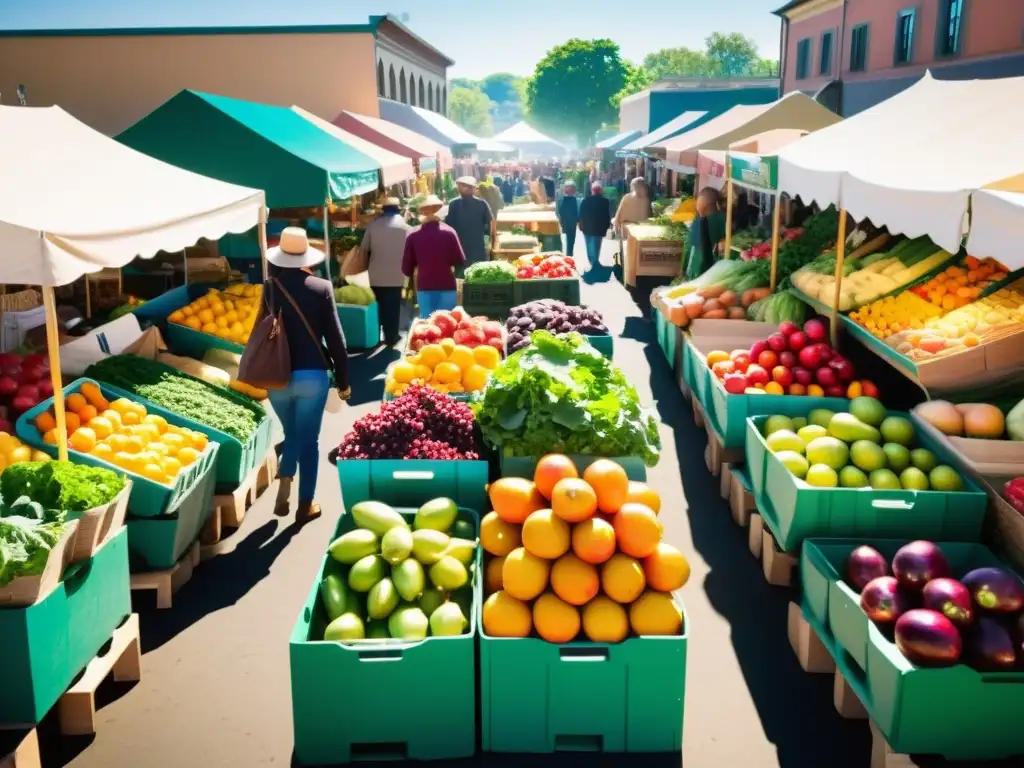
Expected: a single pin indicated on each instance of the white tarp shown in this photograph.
(73, 201)
(531, 141)
(663, 132)
(997, 227)
(459, 135)
(911, 162)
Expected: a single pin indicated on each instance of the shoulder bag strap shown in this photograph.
(305, 322)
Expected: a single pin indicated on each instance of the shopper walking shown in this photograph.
(569, 216)
(472, 221)
(432, 253)
(384, 246)
(308, 313)
(707, 231)
(595, 219)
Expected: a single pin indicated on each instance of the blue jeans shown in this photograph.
(300, 408)
(433, 301)
(593, 248)
(570, 239)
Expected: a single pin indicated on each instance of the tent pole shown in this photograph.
(53, 352)
(840, 257)
(262, 231)
(184, 264)
(355, 212)
(327, 241)
(3, 301)
(728, 208)
(776, 214)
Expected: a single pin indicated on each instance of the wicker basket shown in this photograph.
(22, 301)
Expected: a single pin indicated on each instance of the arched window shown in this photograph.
(391, 83)
(423, 99)
(405, 95)
(412, 89)
(444, 100)
(430, 96)
(380, 77)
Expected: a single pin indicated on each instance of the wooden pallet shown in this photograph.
(810, 651)
(25, 755)
(230, 508)
(76, 709)
(169, 581)
(741, 501)
(849, 706)
(716, 456)
(698, 413)
(725, 482)
(779, 567)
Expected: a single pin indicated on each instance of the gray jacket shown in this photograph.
(384, 246)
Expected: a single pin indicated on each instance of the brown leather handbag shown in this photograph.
(267, 361)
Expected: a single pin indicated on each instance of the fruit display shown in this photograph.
(355, 295)
(863, 448)
(959, 285)
(545, 266)
(904, 311)
(513, 241)
(980, 421)
(13, 451)
(937, 620)
(130, 304)
(870, 277)
(458, 326)
(794, 361)
(578, 557)
(490, 273)
(229, 314)
(561, 394)
(554, 316)
(24, 383)
(761, 248)
(189, 397)
(447, 367)
(1013, 492)
(61, 485)
(124, 435)
(388, 580)
(420, 424)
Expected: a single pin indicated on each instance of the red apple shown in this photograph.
(826, 377)
(722, 367)
(8, 386)
(6, 426)
(797, 340)
(782, 375)
(741, 362)
(815, 329)
(9, 358)
(826, 352)
(787, 359)
(756, 374)
(869, 389)
(767, 359)
(836, 391)
(45, 387)
(842, 367)
(777, 342)
(736, 383)
(810, 357)
(788, 329)
(757, 348)
(30, 391)
(738, 352)
(802, 375)
(21, 404)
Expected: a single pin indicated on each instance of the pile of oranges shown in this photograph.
(122, 433)
(571, 556)
(447, 367)
(229, 314)
(13, 451)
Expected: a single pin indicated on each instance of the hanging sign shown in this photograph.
(755, 171)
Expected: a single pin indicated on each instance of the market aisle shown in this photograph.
(215, 688)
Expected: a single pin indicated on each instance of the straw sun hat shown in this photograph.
(432, 204)
(468, 181)
(294, 252)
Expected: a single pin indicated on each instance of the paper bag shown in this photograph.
(148, 345)
(354, 262)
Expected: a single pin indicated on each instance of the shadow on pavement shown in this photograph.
(557, 760)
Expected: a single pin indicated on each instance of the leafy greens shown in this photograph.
(61, 484)
(561, 395)
(26, 542)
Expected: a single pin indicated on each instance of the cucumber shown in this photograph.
(333, 591)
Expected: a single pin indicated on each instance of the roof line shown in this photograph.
(305, 29)
(781, 11)
(375, 22)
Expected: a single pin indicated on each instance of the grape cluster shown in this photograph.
(551, 315)
(421, 424)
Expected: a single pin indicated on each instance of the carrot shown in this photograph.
(715, 314)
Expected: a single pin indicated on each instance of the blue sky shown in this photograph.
(483, 36)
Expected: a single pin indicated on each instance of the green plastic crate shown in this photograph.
(493, 300)
(564, 289)
(605, 344)
(537, 697)
(956, 712)
(426, 709)
(148, 498)
(524, 466)
(794, 510)
(235, 459)
(46, 645)
(696, 373)
(361, 325)
(408, 482)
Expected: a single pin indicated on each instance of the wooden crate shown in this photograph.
(168, 581)
(25, 754)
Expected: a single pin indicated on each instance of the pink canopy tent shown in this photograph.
(394, 138)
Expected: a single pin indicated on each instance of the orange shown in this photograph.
(188, 455)
(514, 499)
(130, 418)
(497, 536)
(655, 613)
(75, 402)
(176, 316)
(504, 616)
(158, 421)
(574, 581)
(593, 540)
(666, 568)
(87, 413)
(171, 466)
(462, 356)
(550, 469)
(555, 620)
(40, 456)
(45, 422)
(637, 529)
(121, 405)
(492, 574)
(71, 421)
(103, 451)
(19, 454)
(102, 427)
(94, 396)
(524, 575)
(604, 621)
(474, 378)
(717, 356)
(609, 482)
(573, 500)
(199, 441)
(622, 578)
(642, 493)
(114, 417)
(174, 442)
(50, 437)
(83, 439)
(487, 356)
(546, 535)
(153, 471)
(134, 444)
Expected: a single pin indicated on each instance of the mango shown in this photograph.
(448, 573)
(432, 599)
(365, 573)
(378, 630)
(448, 621)
(348, 626)
(462, 550)
(382, 599)
(850, 429)
(333, 592)
(437, 515)
(409, 579)
(354, 545)
(429, 546)
(377, 517)
(462, 529)
(408, 623)
(396, 545)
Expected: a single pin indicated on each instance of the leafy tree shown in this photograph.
(465, 82)
(732, 55)
(470, 109)
(573, 86)
(637, 79)
(501, 87)
(678, 62)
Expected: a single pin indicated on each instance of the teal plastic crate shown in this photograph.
(46, 645)
(696, 373)
(524, 466)
(235, 459)
(956, 712)
(493, 300)
(409, 482)
(794, 510)
(148, 498)
(605, 344)
(361, 325)
(564, 289)
(427, 706)
(537, 697)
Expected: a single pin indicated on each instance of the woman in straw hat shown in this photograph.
(310, 318)
(432, 252)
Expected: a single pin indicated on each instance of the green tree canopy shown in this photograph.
(732, 55)
(471, 109)
(503, 87)
(573, 87)
(637, 79)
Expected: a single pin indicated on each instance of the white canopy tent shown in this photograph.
(997, 223)
(530, 141)
(912, 162)
(73, 202)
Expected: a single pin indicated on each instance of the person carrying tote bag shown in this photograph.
(301, 308)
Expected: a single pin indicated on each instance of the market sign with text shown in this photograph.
(755, 171)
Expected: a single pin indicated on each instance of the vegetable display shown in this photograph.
(25, 542)
(545, 266)
(818, 232)
(511, 241)
(61, 485)
(182, 394)
(762, 248)
(229, 314)
(572, 557)
(554, 316)
(458, 326)
(421, 424)
(124, 309)
(357, 295)
(490, 273)
(560, 394)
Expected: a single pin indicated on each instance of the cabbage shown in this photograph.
(354, 294)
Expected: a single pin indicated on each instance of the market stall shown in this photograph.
(426, 153)
(438, 128)
(530, 142)
(687, 121)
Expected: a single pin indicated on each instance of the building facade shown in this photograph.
(110, 78)
(856, 53)
(648, 110)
